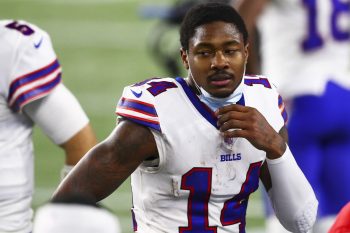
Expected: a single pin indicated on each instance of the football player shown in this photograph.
(196, 147)
(31, 92)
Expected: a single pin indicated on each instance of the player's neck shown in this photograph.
(194, 87)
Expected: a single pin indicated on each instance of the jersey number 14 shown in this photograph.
(198, 181)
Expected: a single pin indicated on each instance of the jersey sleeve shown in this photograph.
(35, 70)
(59, 115)
(264, 96)
(278, 108)
(138, 105)
(282, 109)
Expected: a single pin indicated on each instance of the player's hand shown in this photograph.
(240, 121)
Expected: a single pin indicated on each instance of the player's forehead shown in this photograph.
(218, 32)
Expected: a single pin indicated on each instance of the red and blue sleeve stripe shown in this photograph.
(138, 106)
(34, 85)
(139, 112)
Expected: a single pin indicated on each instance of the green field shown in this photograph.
(102, 46)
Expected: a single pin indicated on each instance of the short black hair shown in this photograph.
(207, 13)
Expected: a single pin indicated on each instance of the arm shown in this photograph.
(62, 119)
(48, 103)
(105, 167)
(292, 196)
(78, 145)
(264, 172)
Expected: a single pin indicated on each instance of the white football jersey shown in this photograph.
(305, 44)
(29, 70)
(200, 183)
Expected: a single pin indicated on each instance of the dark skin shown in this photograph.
(216, 60)
(105, 167)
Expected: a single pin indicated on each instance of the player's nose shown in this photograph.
(219, 61)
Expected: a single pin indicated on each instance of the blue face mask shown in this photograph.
(214, 102)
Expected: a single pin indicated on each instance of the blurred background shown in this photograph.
(102, 45)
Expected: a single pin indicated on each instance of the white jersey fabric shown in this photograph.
(290, 50)
(29, 71)
(74, 218)
(198, 183)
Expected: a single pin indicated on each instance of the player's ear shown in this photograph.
(184, 58)
(246, 51)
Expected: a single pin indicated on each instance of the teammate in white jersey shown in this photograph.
(196, 147)
(76, 214)
(31, 92)
(305, 51)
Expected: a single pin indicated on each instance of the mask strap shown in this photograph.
(191, 76)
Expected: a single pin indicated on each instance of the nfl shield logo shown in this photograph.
(229, 142)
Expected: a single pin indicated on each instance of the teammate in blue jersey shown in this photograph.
(31, 92)
(305, 48)
(197, 147)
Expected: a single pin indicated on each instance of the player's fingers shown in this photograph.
(234, 133)
(239, 133)
(232, 115)
(233, 124)
(231, 107)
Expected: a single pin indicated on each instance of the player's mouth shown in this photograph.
(220, 79)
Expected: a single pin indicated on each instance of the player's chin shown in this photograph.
(222, 92)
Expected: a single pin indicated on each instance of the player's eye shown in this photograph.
(231, 51)
(204, 53)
